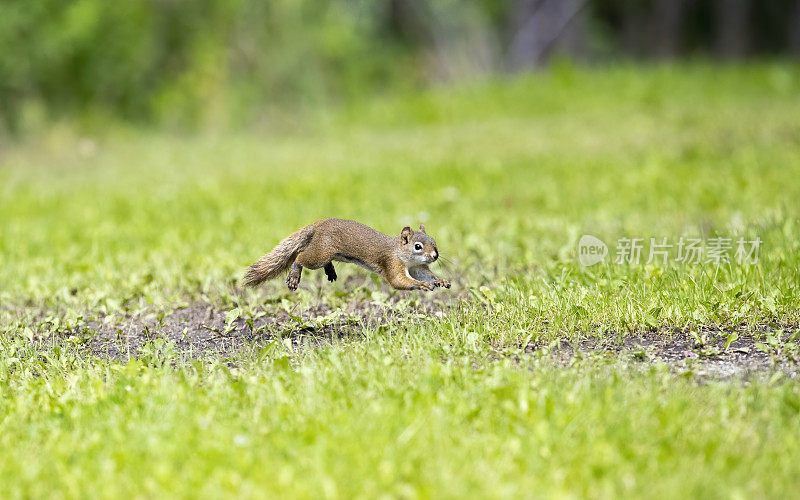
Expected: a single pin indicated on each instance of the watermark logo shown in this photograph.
(713, 251)
(591, 250)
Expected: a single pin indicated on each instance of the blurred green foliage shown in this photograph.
(187, 61)
(220, 63)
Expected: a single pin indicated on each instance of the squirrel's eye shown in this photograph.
(417, 246)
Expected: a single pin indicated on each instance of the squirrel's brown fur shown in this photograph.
(279, 259)
(402, 260)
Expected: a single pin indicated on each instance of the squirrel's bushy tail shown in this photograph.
(279, 259)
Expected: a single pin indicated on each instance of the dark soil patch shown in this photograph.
(713, 352)
(203, 329)
(206, 330)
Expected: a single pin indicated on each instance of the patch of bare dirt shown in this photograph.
(204, 329)
(710, 352)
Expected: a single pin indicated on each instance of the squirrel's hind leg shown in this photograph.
(330, 272)
(294, 276)
(313, 260)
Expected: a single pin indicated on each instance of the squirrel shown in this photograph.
(402, 260)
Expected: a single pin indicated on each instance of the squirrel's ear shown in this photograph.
(406, 234)
(422, 228)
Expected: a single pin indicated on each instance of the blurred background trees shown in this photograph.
(200, 61)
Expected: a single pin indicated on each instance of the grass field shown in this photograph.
(111, 245)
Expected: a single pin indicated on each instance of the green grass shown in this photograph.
(506, 176)
(402, 416)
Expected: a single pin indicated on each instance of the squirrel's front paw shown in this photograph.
(441, 282)
(423, 285)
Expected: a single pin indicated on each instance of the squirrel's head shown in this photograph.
(417, 247)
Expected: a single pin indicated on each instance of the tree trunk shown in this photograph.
(794, 30)
(732, 34)
(667, 27)
(574, 40)
(633, 30)
(536, 26)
